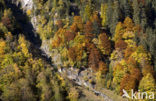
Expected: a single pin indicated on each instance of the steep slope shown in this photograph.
(26, 28)
(91, 44)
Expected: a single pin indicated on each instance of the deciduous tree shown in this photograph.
(147, 84)
(104, 44)
(121, 44)
(94, 58)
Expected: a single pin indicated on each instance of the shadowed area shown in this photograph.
(26, 28)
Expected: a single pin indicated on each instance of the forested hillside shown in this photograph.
(113, 40)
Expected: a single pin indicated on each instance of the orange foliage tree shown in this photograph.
(133, 76)
(136, 73)
(147, 69)
(95, 18)
(69, 36)
(120, 44)
(78, 22)
(127, 83)
(74, 28)
(103, 67)
(88, 27)
(72, 53)
(104, 44)
(94, 58)
(128, 23)
(59, 23)
(128, 52)
(56, 42)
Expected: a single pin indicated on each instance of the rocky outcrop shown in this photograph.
(45, 47)
(83, 77)
(27, 5)
(80, 76)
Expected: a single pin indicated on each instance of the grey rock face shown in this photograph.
(27, 4)
(82, 77)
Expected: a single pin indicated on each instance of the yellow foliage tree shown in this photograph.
(131, 43)
(118, 31)
(2, 47)
(147, 84)
(103, 14)
(103, 67)
(23, 45)
(128, 35)
(3, 30)
(101, 73)
(118, 73)
(29, 12)
(128, 23)
(78, 22)
(141, 56)
(73, 94)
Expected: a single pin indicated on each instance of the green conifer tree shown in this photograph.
(136, 12)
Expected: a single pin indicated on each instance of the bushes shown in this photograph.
(73, 94)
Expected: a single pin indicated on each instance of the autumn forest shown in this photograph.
(69, 50)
